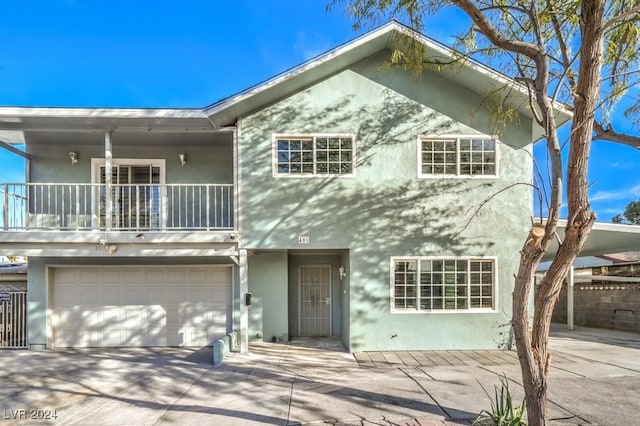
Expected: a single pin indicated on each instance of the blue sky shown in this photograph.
(192, 53)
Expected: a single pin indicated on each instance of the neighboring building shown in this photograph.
(13, 276)
(342, 197)
(606, 293)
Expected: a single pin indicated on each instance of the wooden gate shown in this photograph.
(13, 318)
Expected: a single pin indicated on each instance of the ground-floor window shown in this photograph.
(443, 284)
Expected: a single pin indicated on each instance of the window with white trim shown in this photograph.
(458, 156)
(137, 193)
(436, 284)
(314, 155)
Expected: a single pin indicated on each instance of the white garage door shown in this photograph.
(140, 306)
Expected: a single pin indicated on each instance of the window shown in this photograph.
(458, 156)
(314, 155)
(433, 284)
(136, 193)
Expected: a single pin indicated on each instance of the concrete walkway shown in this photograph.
(595, 379)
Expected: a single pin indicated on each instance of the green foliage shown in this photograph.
(503, 410)
(631, 215)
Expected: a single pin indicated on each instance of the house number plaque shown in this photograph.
(303, 239)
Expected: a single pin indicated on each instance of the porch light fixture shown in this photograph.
(109, 248)
(74, 157)
(342, 272)
(183, 159)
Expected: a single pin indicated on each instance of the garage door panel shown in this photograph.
(111, 296)
(86, 276)
(176, 277)
(155, 296)
(133, 277)
(154, 276)
(89, 297)
(198, 277)
(176, 295)
(127, 312)
(111, 277)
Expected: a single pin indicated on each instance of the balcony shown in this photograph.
(121, 207)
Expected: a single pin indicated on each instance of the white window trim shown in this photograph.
(415, 311)
(96, 163)
(457, 137)
(274, 156)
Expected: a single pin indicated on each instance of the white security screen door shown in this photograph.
(315, 300)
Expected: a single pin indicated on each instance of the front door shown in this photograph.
(315, 300)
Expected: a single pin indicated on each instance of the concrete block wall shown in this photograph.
(612, 306)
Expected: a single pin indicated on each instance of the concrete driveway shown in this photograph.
(595, 379)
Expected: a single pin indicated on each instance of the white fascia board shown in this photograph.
(52, 250)
(101, 119)
(608, 227)
(13, 114)
(126, 238)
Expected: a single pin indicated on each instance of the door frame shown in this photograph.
(98, 163)
(317, 265)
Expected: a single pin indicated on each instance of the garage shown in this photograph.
(139, 306)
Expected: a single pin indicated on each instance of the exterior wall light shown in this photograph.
(74, 157)
(104, 245)
(183, 159)
(342, 272)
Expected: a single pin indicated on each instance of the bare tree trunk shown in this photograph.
(533, 351)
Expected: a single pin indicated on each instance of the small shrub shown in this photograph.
(503, 410)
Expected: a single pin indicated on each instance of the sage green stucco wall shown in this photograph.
(268, 285)
(385, 210)
(205, 163)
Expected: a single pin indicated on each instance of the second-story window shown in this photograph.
(458, 156)
(314, 155)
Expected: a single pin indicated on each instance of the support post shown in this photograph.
(107, 181)
(244, 309)
(570, 281)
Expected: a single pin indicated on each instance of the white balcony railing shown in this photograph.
(76, 206)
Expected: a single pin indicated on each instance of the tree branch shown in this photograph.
(609, 134)
(489, 31)
(621, 17)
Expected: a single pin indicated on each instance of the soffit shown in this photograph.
(604, 238)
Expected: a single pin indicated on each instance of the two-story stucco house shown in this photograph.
(341, 197)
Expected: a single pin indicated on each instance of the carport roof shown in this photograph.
(604, 238)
